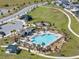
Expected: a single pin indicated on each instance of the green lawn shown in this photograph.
(75, 26)
(54, 16)
(22, 55)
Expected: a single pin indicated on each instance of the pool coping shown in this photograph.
(48, 32)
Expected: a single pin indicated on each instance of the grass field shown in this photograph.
(54, 16)
(75, 23)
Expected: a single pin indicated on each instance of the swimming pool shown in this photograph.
(45, 39)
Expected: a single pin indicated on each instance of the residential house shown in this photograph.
(63, 3)
(26, 17)
(13, 49)
(2, 34)
(26, 32)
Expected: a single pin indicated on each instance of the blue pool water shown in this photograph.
(45, 39)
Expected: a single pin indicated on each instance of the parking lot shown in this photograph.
(9, 26)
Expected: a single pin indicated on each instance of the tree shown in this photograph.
(6, 5)
(2, 13)
(41, 0)
(13, 31)
(24, 3)
(18, 7)
(53, 24)
(14, 34)
(9, 11)
(29, 2)
(34, 1)
(14, 8)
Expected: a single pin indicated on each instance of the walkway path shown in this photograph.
(69, 18)
(46, 56)
(50, 57)
(69, 24)
(72, 14)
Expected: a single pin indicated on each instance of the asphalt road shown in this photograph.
(21, 12)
